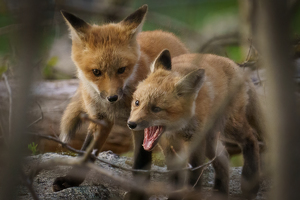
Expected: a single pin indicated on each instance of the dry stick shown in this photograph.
(40, 118)
(25, 179)
(249, 51)
(178, 156)
(86, 117)
(218, 38)
(96, 137)
(208, 163)
(10, 102)
(3, 135)
(153, 17)
(65, 145)
(124, 183)
(28, 184)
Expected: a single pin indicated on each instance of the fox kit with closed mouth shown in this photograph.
(173, 105)
(111, 60)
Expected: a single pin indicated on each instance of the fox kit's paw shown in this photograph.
(64, 182)
(250, 188)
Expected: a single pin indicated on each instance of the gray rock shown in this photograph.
(100, 187)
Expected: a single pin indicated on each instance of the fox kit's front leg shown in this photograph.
(142, 160)
(174, 162)
(215, 150)
(77, 174)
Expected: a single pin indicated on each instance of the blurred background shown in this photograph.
(223, 27)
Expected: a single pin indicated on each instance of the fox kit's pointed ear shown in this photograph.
(134, 22)
(77, 26)
(191, 83)
(163, 61)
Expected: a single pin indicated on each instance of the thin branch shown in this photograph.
(127, 184)
(65, 145)
(10, 102)
(40, 118)
(249, 51)
(28, 184)
(3, 135)
(221, 38)
(188, 164)
(208, 163)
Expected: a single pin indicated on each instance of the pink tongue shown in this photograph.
(150, 136)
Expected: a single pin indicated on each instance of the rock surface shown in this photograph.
(96, 187)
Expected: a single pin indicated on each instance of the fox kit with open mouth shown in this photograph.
(174, 105)
(111, 60)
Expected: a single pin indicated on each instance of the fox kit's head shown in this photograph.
(106, 56)
(164, 101)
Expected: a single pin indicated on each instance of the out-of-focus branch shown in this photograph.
(65, 145)
(232, 38)
(40, 118)
(136, 184)
(10, 102)
(27, 42)
(100, 8)
(282, 118)
(28, 184)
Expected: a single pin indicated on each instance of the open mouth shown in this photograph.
(151, 135)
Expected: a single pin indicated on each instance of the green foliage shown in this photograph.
(234, 53)
(3, 69)
(33, 148)
(69, 153)
(48, 71)
(158, 159)
(237, 160)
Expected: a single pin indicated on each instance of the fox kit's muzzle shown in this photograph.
(112, 98)
(131, 125)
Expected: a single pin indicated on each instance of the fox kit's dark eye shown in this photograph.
(137, 103)
(121, 70)
(97, 72)
(156, 109)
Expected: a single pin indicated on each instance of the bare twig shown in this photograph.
(204, 166)
(228, 37)
(127, 184)
(3, 135)
(28, 184)
(172, 148)
(10, 102)
(40, 118)
(97, 134)
(249, 51)
(65, 145)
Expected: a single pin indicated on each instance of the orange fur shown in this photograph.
(182, 97)
(108, 48)
(111, 60)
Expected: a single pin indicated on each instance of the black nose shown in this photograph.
(131, 125)
(112, 98)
